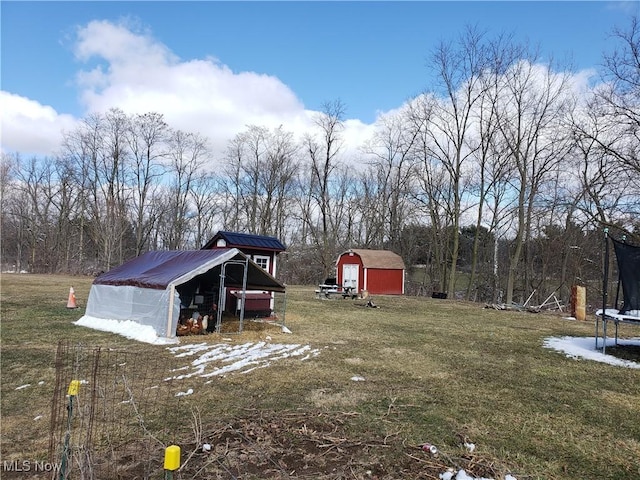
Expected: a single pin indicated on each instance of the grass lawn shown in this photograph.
(433, 371)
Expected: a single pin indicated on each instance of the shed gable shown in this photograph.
(381, 259)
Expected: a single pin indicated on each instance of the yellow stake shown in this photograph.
(74, 387)
(172, 457)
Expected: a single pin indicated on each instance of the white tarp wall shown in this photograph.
(145, 306)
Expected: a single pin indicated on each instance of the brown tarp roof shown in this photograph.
(382, 259)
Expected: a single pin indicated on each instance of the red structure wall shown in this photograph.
(385, 282)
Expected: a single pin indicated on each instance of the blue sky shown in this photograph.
(371, 55)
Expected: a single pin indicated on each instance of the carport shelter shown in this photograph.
(151, 289)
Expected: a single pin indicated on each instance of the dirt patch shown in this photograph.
(313, 445)
(273, 445)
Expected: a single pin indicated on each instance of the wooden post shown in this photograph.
(578, 302)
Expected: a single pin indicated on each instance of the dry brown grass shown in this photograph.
(434, 371)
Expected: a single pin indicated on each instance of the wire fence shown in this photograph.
(109, 413)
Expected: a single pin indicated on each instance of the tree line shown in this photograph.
(506, 169)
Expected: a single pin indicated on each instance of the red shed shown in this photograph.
(376, 271)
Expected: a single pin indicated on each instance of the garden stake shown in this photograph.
(72, 392)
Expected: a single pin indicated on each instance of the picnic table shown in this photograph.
(328, 291)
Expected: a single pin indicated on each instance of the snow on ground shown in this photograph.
(133, 330)
(220, 359)
(585, 347)
(126, 328)
(247, 357)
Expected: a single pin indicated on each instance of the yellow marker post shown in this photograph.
(72, 392)
(171, 461)
(74, 387)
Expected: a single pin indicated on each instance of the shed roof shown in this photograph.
(236, 239)
(383, 259)
(159, 269)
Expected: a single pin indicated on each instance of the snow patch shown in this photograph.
(126, 328)
(220, 359)
(585, 347)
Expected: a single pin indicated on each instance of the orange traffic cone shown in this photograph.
(71, 303)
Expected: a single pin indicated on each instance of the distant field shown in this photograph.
(381, 383)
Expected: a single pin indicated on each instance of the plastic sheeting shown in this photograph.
(145, 306)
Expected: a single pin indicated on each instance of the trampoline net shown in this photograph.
(628, 257)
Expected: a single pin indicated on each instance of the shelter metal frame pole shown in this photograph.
(605, 293)
(284, 308)
(221, 290)
(244, 292)
(615, 305)
(172, 292)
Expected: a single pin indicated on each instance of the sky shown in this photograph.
(215, 67)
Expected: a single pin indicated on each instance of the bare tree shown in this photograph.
(490, 168)
(318, 211)
(612, 126)
(432, 193)
(607, 192)
(234, 216)
(531, 107)
(147, 137)
(204, 195)
(35, 212)
(621, 96)
(11, 244)
(188, 153)
(279, 180)
(459, 69)
(115, 170)
(490, 165)
(81, 147)
(65, 195)
(97, 148)
(260, 172)
(387, 207)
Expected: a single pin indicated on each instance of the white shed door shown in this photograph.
(350, 275)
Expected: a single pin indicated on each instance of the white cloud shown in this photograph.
(138, 74)
(198, 95)
(29, 127)
(126, 68)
